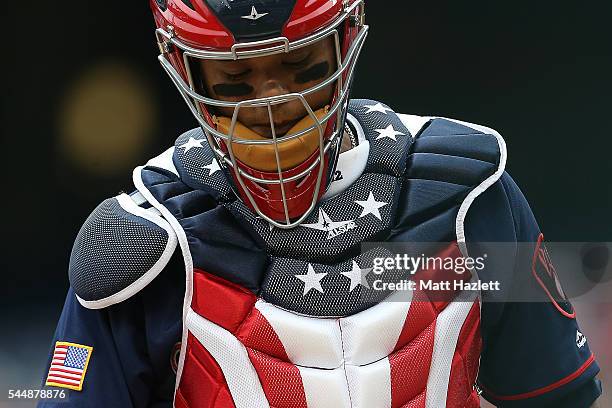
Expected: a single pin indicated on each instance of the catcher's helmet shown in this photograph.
(280, 177)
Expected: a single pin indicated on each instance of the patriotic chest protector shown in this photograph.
(289, 318)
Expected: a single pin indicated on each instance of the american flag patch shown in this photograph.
(68, 365)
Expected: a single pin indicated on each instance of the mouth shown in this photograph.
(280, 128)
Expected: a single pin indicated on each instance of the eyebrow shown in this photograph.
(240, 89)
(317, 71)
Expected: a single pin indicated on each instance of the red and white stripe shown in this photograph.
(59, 373)
(394, 353)
(398, 353)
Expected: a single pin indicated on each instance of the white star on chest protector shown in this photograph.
(312, 280)
(379, 107)
(213, 167)
(389, 132)
(358, 276)
(191, 143)
(371, 206)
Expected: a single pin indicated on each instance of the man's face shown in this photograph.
(273, 75)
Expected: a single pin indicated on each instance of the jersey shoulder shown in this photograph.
(121, 247)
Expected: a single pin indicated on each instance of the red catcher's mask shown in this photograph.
(280, 177)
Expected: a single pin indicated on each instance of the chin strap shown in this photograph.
(350, 136)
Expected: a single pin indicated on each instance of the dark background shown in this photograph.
(85, 74)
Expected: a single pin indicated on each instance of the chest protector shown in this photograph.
(290, 318)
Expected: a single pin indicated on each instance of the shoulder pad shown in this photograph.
(119, 250)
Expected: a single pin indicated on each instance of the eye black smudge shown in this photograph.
(317, 71)
(241, 89)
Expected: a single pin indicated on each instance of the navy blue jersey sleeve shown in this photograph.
(118, 373)
(134, 345)
(534, 354)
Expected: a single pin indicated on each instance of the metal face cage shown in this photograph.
(329, 131)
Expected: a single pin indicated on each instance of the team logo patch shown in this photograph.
(69, 365)
(544, 272)
(580, 339)
(332, 228)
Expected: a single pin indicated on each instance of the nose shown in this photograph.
(272, 87)
(285, 111)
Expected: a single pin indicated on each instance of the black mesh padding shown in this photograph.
(192, 165)
(283, 288)
(324, 246)
(112, 250)
(386, 154)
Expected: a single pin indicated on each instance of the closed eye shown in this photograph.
(300, 63)
(237, 76)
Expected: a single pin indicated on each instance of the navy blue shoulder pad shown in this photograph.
(120, 249)
(444, 165)
(449, 165)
